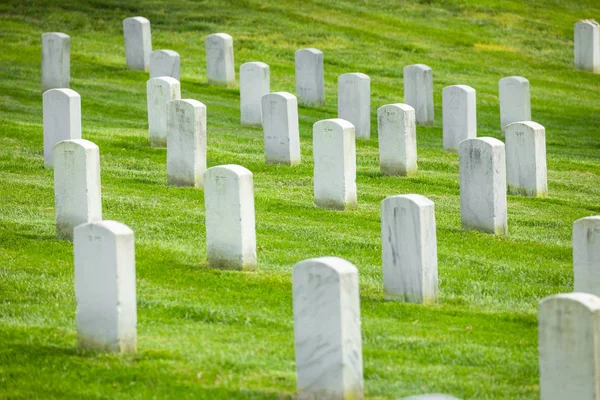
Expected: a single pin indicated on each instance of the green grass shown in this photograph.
(211, 334)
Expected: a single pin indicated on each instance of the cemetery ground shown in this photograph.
(205, 333)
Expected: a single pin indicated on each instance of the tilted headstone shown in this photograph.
(354, 102)
(515, 103)
(482, 166)
(334, 152)
(165, 63)
(409, 249)
(186, 142)
(105, 287)
(587, 46)
(230, 225)
(255, 82)
(328, 341)
(397, 139)
(569, 346)
(418, 92)
(310, 84)
(280, 124)
(459, 115)
(526, 159)
(159, 91)
(138, 43)
(586, 255)
(77, 194)
(56, 60)
(62, 119)
(220, 68)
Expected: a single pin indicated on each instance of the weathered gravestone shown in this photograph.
(56, 60)
(77, 193)
(482, 166)
(105, 287)
(354, 102)
(409, 249)
(334, 152)
(280, 124)
(62, 119)
(587, 46)
(526, 159)
(397, 139)
(255, 82)
(515, 103)
(586, 255)
(220, 68)
(165, 63)
(310, 84)
(459, 115)
(186, 142)
(327, 329)
(418, 92)
(159, 91)
(138, 43)
(230, 224)
(569, 346)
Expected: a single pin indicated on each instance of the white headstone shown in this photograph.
(281, 133)
(310, 84)
(255, 82)
(397, 139)
(105, 287)
(165, 63)
(409, 249)
(62, 119)
(569, 346)
(77, 193)
(334, 152)
(220, 68)
(459, 115)
(526, 159)
(482, 166)
(586, 255)
(138, 43)
(56, 60)
(587, 45)
(418, 92)
(230, 226)
(159, 91)
(515, 104)
(354, 102)
(327, 329)
(186, 142)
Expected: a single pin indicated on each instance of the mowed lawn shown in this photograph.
(205, 333)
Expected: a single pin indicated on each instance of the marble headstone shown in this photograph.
(220, 68)
(397, 139)
(255, 82)
(586, 255)
(280, 124)
(587, 46)
(310, 84)
(165, 63)
(159, 91)
(138, 43)
(459, 115)
(62, 119)
(418, 92)
(526, 159)
(56, 60)
(354, 102)
(515, 103)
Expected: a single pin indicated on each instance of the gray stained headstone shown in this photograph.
(310, 84)
(587, 46)
(165, 63)
(281, 132)
(515, 102)
(397, 139)
(586, 255)
(138, 43)
(255, 82)
(418, 92)
(354, 102)
(56, 60)
(62, 119)
(459, 115)
(526, 159)
(220, 68)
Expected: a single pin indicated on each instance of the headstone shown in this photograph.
(354, 102)
(515, 104)
(255, 82)
(586, 255)
(334, 152)
(310, 84)
(409, 249)
(482, 166)
(327, 329)
(230, 226)
(526, 159)
(280, 124)
(105, 287)
(56, 60)
(459, 112)
(159, 91)
(397, 139)
(569, 336)
(186, 142)
(164, 63)
(220, 68)
(587, 46)
(418, 92)
(433, 396)
(138, 43)
(77, 193)
(62, 119)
